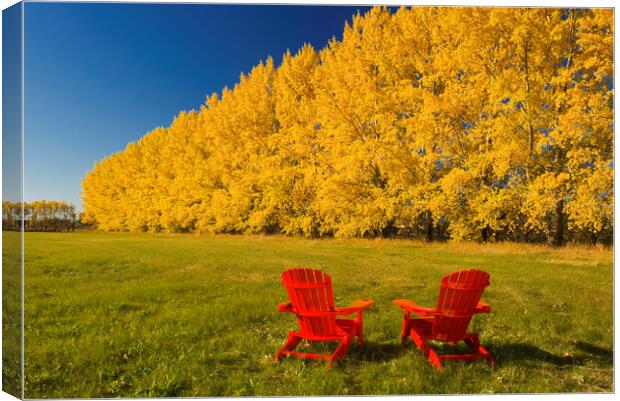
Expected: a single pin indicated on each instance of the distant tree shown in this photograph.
(39, 216)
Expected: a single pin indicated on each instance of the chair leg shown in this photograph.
(490, 359)
(406, 328)
(433, 357)
(426, 350)
(339, 352)
(418, 340)
(290, 345)
(474, 344)
(360, 329)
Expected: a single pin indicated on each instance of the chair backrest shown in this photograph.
(310, 292)
(458, 297)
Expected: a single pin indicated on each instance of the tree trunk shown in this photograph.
(429, 226)
(389, 231)
(560, 223)
(485, 234)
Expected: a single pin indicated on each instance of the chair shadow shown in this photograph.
(604, 355)
(376, 352)
(507, 353)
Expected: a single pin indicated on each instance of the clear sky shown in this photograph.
(98, 76)
(11, 105)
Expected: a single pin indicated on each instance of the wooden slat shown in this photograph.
(314, 292)
(450, 323)
(303, 307)
(311, 293)
(320, 301)
(321, 292)
(463, 294)
(329, 296)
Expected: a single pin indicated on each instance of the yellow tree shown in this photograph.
(238, 124)
(290, 170)
(468, 123)
(357, 108)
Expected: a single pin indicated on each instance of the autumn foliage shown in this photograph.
(461, 123)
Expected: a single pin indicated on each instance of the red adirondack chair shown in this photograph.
(459, 300)
(312, 301)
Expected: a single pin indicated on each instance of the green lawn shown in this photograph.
(11, 313)
(143, 315)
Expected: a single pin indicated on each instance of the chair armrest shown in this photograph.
(286, 307)
(482, 307)
(356, 306)
(410, 306)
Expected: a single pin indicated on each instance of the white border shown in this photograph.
(496, 3)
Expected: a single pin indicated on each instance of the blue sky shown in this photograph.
(11, 105)
(98, 76)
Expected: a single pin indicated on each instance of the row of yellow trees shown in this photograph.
(462, 123)
(39, 216)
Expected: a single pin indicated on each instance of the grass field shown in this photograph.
(155, 315)
(11, 313)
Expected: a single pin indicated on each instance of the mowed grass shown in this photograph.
(115, 314)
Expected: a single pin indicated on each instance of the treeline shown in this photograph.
(39, 216)
(460, 123)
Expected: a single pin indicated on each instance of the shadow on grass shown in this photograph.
(603, 355)
(508, 353)
(376, 352)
